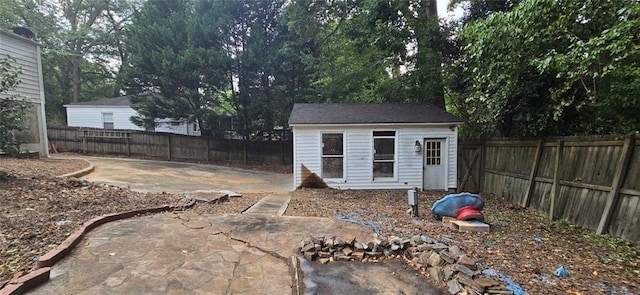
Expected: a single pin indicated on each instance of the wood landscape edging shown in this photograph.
(79, 173)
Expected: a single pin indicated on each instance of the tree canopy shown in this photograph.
(547, 67)
(507, 67)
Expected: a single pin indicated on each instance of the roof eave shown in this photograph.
(377, 124)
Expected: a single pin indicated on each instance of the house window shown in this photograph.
(332, 155)
(384, 154)
(433, 153)
(107, 120)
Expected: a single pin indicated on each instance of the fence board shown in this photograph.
(174, 146)
(587, 169)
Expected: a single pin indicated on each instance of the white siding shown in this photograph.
(27, 57)
(306, 150)
(91, 117)
(359, 154)
(25, 53)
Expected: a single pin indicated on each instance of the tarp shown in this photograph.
(450, 204)
(352, 220)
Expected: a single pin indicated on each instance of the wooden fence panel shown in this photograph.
(469, 167)
(626, 218)
(593, 182)
(148, 145)
(169, 146)
(541, 197)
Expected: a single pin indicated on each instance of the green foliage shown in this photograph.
(372, 51)
(547, 67)
(13, 110)
(82, 49)
(177, 65)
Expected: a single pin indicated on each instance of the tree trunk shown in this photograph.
(76, 78)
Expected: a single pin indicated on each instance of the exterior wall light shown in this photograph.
(417, 147)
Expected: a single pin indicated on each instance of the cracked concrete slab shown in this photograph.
(186, 253)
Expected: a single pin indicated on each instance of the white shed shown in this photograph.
(375, 146)
(26, 54)
(116, 113)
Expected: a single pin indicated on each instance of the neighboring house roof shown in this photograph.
(120, 101)
(369, 113)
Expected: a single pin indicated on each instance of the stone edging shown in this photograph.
(19, 285)
(79, 173)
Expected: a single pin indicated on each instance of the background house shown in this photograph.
(375, 146)
(116, 113)
(26, 53)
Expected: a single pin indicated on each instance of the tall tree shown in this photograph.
(569, 50)
(177, 66)
(371, 50)
(82, 45)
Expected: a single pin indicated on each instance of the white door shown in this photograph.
(435, 168)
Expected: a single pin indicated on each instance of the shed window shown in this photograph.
(332, 155)
(107, 120)
(384, 154)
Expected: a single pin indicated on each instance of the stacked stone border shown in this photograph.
(20, 284)
(447, 265)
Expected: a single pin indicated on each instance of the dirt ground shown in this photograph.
(522, 244)
(38, 212)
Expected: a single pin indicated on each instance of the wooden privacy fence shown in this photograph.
(591, 181)
(169, 146)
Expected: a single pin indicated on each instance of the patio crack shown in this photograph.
(291, 267)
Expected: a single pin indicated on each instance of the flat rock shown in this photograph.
(231, 194)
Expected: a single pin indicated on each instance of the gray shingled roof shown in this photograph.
(365, 113)
(113, 101)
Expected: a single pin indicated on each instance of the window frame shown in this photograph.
(395, 154)
(342, 156)
(104, 122)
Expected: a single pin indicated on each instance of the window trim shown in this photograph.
(344, 157)
(395, 154)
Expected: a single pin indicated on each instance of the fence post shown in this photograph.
(282, 152)
(244, 151)
(207, 142)
(84, 141)
(482, 165)
(128, 145)
(169, 146)
(555, 189)
(618, 179)
(532, 175)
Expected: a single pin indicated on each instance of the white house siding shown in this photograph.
(359, 154)
(91, 117)
(84, 116)
(27, 57)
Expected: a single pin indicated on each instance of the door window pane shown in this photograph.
(433, 153)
